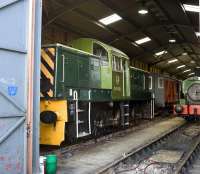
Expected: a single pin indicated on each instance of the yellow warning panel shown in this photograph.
(53, 133)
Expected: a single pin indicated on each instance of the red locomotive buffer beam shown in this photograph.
(187, 110)
(194, 110)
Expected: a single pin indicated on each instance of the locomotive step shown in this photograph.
(81, 121)
(81, 110)
(83, 134)
(126, 105)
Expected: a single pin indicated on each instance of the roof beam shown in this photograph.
(150, 27)
(166, 46)
(70, 28)
(107, 28)
(127, 19)
(67, 8)
(179, 31)
(166, 59)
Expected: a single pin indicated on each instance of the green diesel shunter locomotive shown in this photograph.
(86, 90)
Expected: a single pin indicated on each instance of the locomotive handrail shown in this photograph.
(63, 75)
(75, 95)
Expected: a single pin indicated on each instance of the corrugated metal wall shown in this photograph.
(16, 52)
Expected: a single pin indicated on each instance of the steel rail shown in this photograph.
(138, 150)
(183, 165)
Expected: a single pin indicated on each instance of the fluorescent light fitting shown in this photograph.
(198, 67)
(192, 8)
(143, 40)
(135, 44)
(184, 54)
(160, 53)
(110, 19)
(197, 34)
(187, 70)
(181, 66)
(173, 60)
(143, 11)
(172, 40)
(190, 74)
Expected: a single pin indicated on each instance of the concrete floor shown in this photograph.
(94, 159)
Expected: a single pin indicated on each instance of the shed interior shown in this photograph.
(171, 29)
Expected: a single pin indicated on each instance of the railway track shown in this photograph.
(191, 162)
(70, 149)
(177, 152)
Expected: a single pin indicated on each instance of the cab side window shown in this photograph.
(117, 64)
(101, 52)
(160, 83)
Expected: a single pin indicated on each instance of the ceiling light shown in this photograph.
(198, 67)
(110, 19)
(192, 61)
(172, 40)
(143, 40)
(197, 34)
(173, 60)
(143, 11)
(184, 54)
(160, 53)
(135, 44)
(187, 70)
(190, 74)
(181, 66)
(192, 8)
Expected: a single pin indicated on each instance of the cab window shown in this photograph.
(160, 82)
(117, 64)
(99, 51)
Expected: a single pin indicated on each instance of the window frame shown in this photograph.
(159, 84)
(117, 63)
(144, 81)
(104, 60)
(150, 82)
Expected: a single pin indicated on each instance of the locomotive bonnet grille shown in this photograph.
(47, 72)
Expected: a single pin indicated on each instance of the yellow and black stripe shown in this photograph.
(47, 72)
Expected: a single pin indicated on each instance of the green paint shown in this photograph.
(139, 85)
(117, 89)
(187, 83)
(108, 75)
(78, 71)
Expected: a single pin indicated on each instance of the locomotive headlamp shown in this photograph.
(178, 108)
